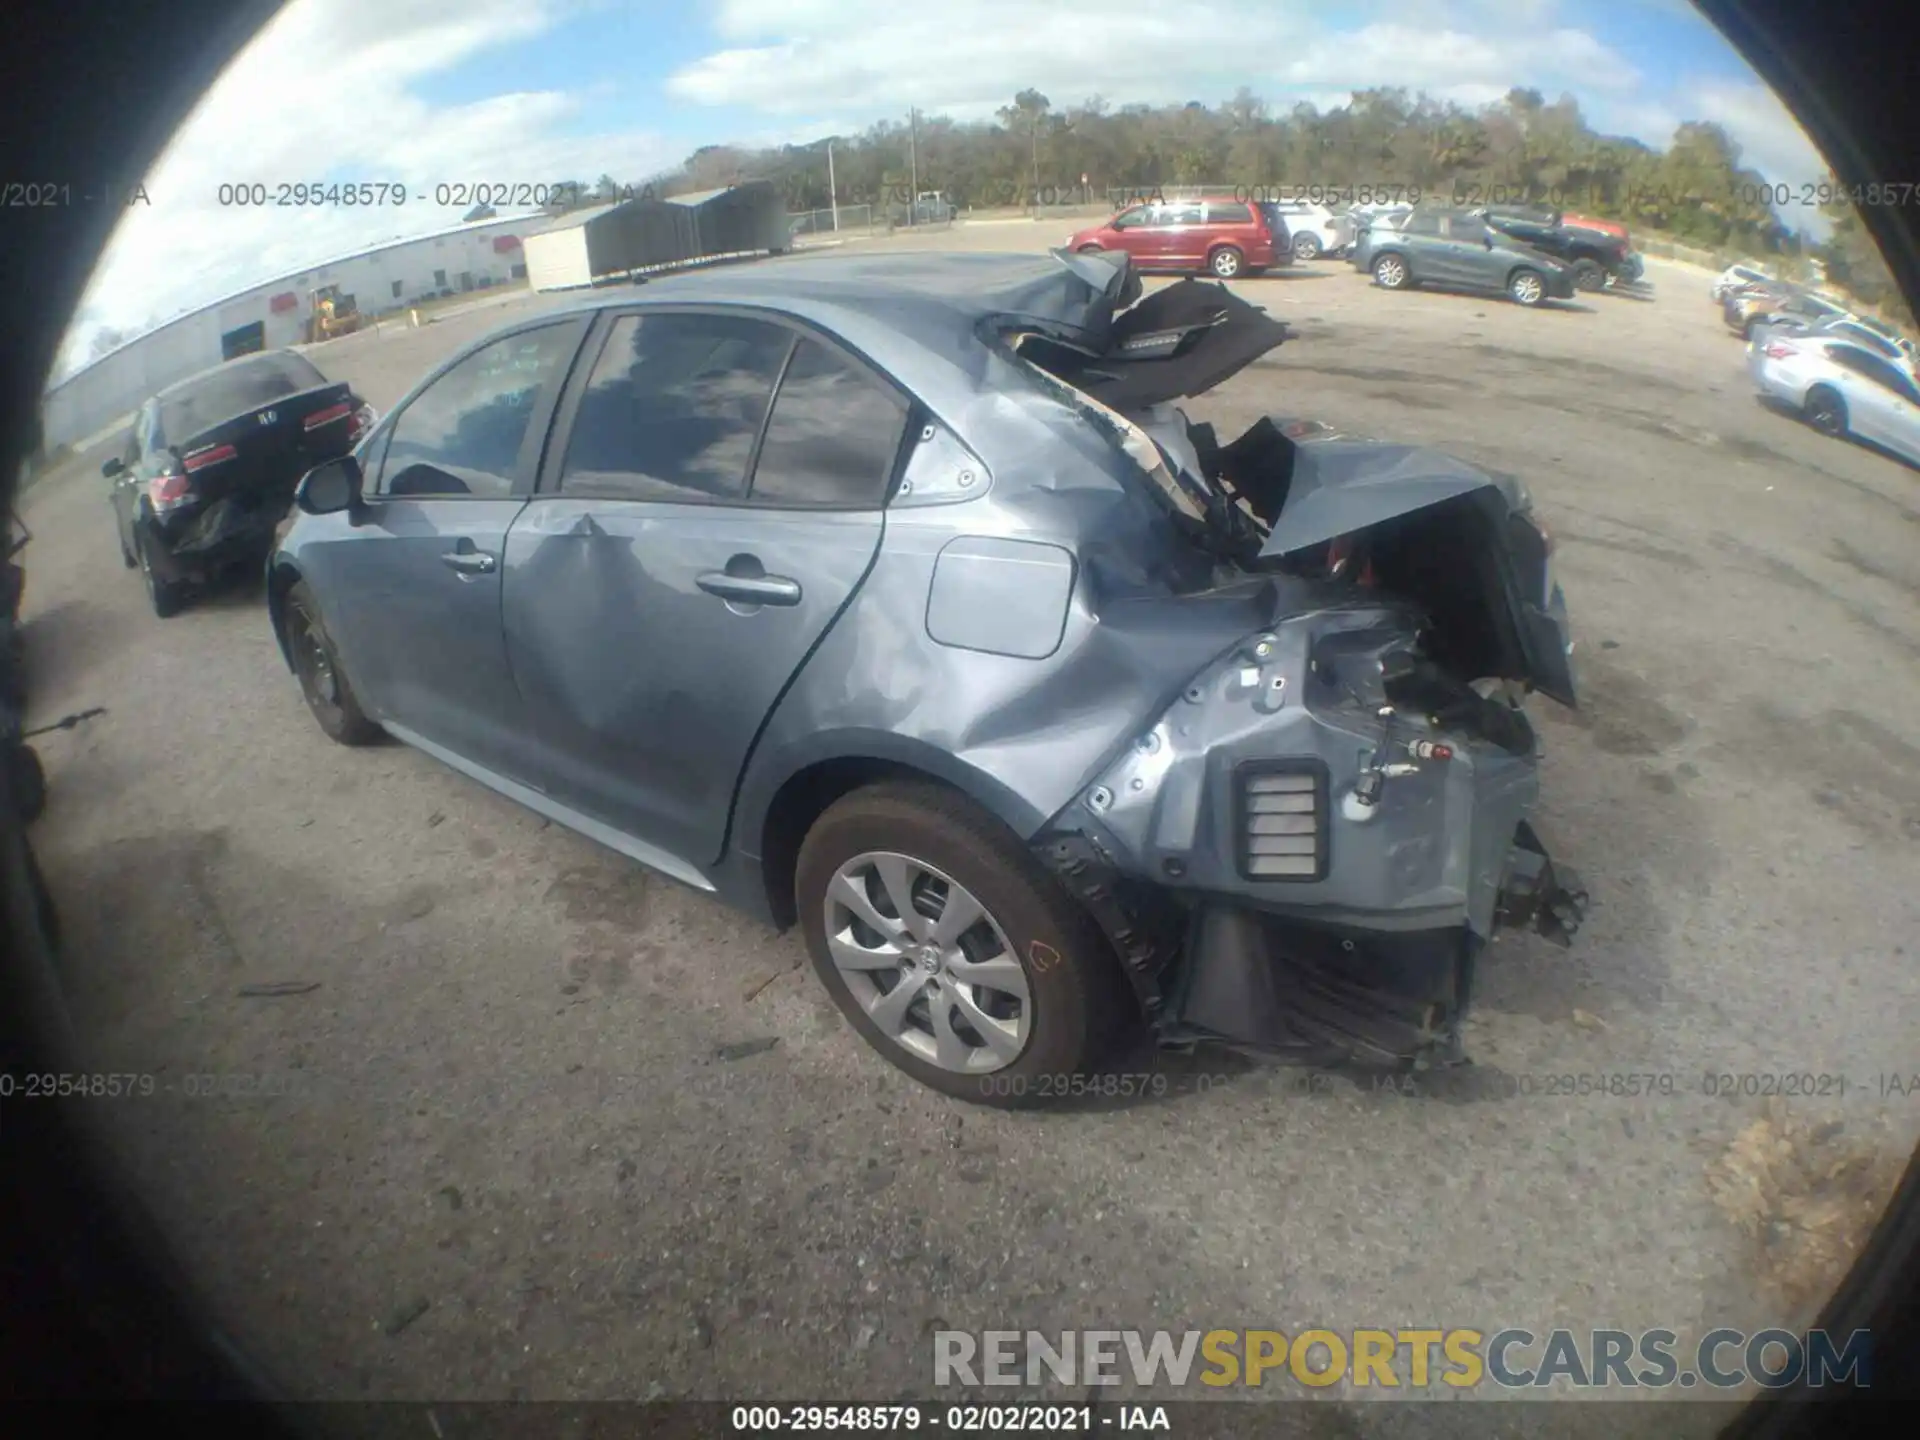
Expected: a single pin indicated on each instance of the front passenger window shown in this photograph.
(673, 408)
(464, 434)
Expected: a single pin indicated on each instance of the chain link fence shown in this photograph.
(854, 219)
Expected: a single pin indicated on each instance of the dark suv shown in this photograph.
(1218, 235)
(1596, 256)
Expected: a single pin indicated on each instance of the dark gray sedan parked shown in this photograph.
(1453, 249)
(893, 596)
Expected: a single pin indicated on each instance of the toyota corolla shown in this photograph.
(896, 597)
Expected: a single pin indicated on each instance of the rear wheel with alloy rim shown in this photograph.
(165, 596)
(1306, 247)
(949, 949)
(1226, 262)
(317, 665)
(1826, 411)
(1526, 287)
(1587, 275)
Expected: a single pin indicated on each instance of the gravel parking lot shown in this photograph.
(550, 1128)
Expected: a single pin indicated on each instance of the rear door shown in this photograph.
(1234, 222)
(694, 537)
(412, 588)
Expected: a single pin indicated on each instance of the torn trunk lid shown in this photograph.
(1342, 487)
(1179, 342)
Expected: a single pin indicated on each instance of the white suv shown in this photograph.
(1316, 230)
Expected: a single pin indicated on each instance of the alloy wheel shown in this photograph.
(1226, 263)
(931, 967)
(1391, 272)
(1527, 288)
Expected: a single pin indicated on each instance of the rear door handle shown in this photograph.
(469, 562)
(750, 589)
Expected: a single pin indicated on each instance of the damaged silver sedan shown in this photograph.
(895, 597)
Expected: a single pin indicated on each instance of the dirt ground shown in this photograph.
(547, 1127)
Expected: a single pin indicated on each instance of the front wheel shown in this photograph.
(317, 664)
(1390, 273)
(1526, 287)
(950, 950)
(1826, 412)
(1226, 262)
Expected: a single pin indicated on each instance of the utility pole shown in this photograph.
(1034, 131)
(833, 194)
(913, 164)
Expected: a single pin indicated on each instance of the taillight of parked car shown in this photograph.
(364, 419)
(328, 416)
(168, 491)
(200, 459)
(1780, 350)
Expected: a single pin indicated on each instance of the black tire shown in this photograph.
(1091, 250)
(1391, 272)
(1526, 287)
(323, 683)
(166, 597)
(127, 557)
(1079, 1000)
(1826, 411)
(1306, 247)
(1588, 275)
(29, 783)
(1225, 262)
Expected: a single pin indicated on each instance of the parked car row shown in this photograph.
(1530, 256)
(1848, 375)
(717, 574)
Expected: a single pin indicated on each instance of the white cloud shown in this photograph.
(326, 86)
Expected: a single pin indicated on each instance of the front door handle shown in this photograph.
(750, 589)
(469, 562)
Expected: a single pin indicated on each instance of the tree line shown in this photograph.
(1385, 140)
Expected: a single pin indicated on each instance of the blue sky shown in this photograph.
(431, 91)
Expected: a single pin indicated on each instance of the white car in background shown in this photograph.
(1840, 388)
(1733, 277)
(1316, 230)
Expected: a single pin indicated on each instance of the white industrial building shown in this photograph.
(273, 315)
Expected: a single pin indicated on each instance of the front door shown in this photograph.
(416, 578)
(688, 549)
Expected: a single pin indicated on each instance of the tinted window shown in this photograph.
(1881, 372)
(1418, 224)
(463, 434)
(833, 437)
(1179, 212)
(674, 407)
(1136, 216)
(235, 388)
(1229, 212)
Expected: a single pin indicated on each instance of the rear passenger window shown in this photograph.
(1229, 213)
(673, 408)
(834, 435)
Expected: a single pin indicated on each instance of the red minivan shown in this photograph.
(1221, 236)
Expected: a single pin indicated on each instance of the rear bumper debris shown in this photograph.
(1538, 895)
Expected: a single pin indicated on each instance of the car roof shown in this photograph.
(917, 316)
